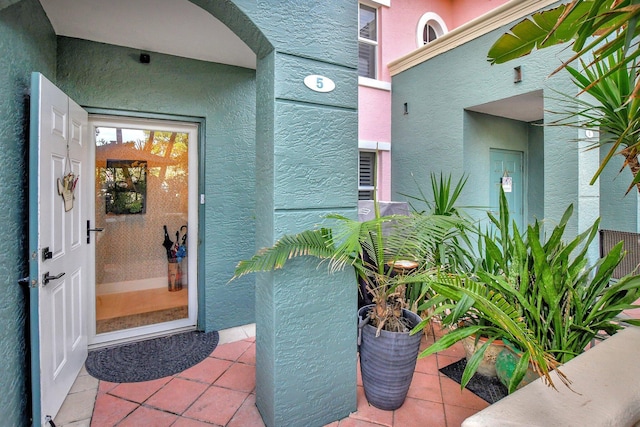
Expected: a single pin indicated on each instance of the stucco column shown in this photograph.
(306, 145)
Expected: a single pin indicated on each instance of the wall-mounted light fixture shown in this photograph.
(406, 108)
(517, 74)
(145, 58)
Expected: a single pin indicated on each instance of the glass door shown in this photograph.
(145, 227)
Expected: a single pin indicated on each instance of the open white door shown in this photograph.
(58, 248)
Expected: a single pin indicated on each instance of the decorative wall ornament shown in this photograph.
(66, 186)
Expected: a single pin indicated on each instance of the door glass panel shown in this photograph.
(142, 205)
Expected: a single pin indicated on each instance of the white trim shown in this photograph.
(371, 42)
(498, 17)
(374, 145)
(376, 84)
(131, 285)
(424, 20)
(376, 3)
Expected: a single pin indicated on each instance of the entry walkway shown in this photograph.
(220, 391)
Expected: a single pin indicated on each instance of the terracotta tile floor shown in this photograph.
(220, 391)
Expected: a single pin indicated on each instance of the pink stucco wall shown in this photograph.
(398, 26)
(466, 10)
(374, 114)
(397, 37)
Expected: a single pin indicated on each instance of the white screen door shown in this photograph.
(58, 249)
(145, 185)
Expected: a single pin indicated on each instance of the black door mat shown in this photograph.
(151, 359)
(487, 388)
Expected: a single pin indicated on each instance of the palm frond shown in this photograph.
(316, 243)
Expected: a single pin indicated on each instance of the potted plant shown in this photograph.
(538, 293)
(379, 250)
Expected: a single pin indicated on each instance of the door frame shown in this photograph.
(200, 124)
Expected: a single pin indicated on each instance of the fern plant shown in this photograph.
(372, 248)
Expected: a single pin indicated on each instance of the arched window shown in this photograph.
(429, 33)
(430, 27)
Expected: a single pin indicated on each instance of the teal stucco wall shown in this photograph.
(27, 43)
(482, 132)
(439, 134)
(306, 163)
(535, 165)
(619, 211)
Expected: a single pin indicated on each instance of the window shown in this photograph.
(366, 175)
(430, 27)
(429, 34)
(368, 42)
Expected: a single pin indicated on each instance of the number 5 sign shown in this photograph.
(319, 83)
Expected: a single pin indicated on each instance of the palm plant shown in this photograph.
(607, 32)
(538, 293)
(452, 255)
(372, 248)
(616, 112)
(592, 27)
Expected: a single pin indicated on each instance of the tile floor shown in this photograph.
(220, 391)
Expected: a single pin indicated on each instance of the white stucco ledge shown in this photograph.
(606, 380)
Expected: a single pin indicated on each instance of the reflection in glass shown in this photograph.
(141, 186)
(126, 186)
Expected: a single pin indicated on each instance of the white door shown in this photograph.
(58, 248)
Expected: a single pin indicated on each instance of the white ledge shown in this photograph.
(374, 145)
(605, 391)
(376, 84)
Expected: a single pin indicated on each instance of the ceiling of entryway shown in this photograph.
(174, 27)
(528, 107)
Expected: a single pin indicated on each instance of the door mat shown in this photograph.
(151, 359)
(142, 319)
(487, 388)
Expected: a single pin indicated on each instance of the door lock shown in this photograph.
(89, 230)
(46, 278)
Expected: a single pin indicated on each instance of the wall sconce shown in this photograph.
(145, 58)
(517, 74)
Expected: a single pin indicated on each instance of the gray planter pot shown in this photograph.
(387, 362)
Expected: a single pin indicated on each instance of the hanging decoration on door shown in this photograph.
(507, 182)
(67, 184)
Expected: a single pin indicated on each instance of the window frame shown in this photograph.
(375, 43)
(373, 174)
(434, 21)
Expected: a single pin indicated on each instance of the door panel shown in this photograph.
(506, 163)
(58, 305)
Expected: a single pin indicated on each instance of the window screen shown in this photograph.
(367, 168)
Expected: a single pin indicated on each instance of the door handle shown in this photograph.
(89, 230)
(46, 278)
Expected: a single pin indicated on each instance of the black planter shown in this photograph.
(387, 362)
